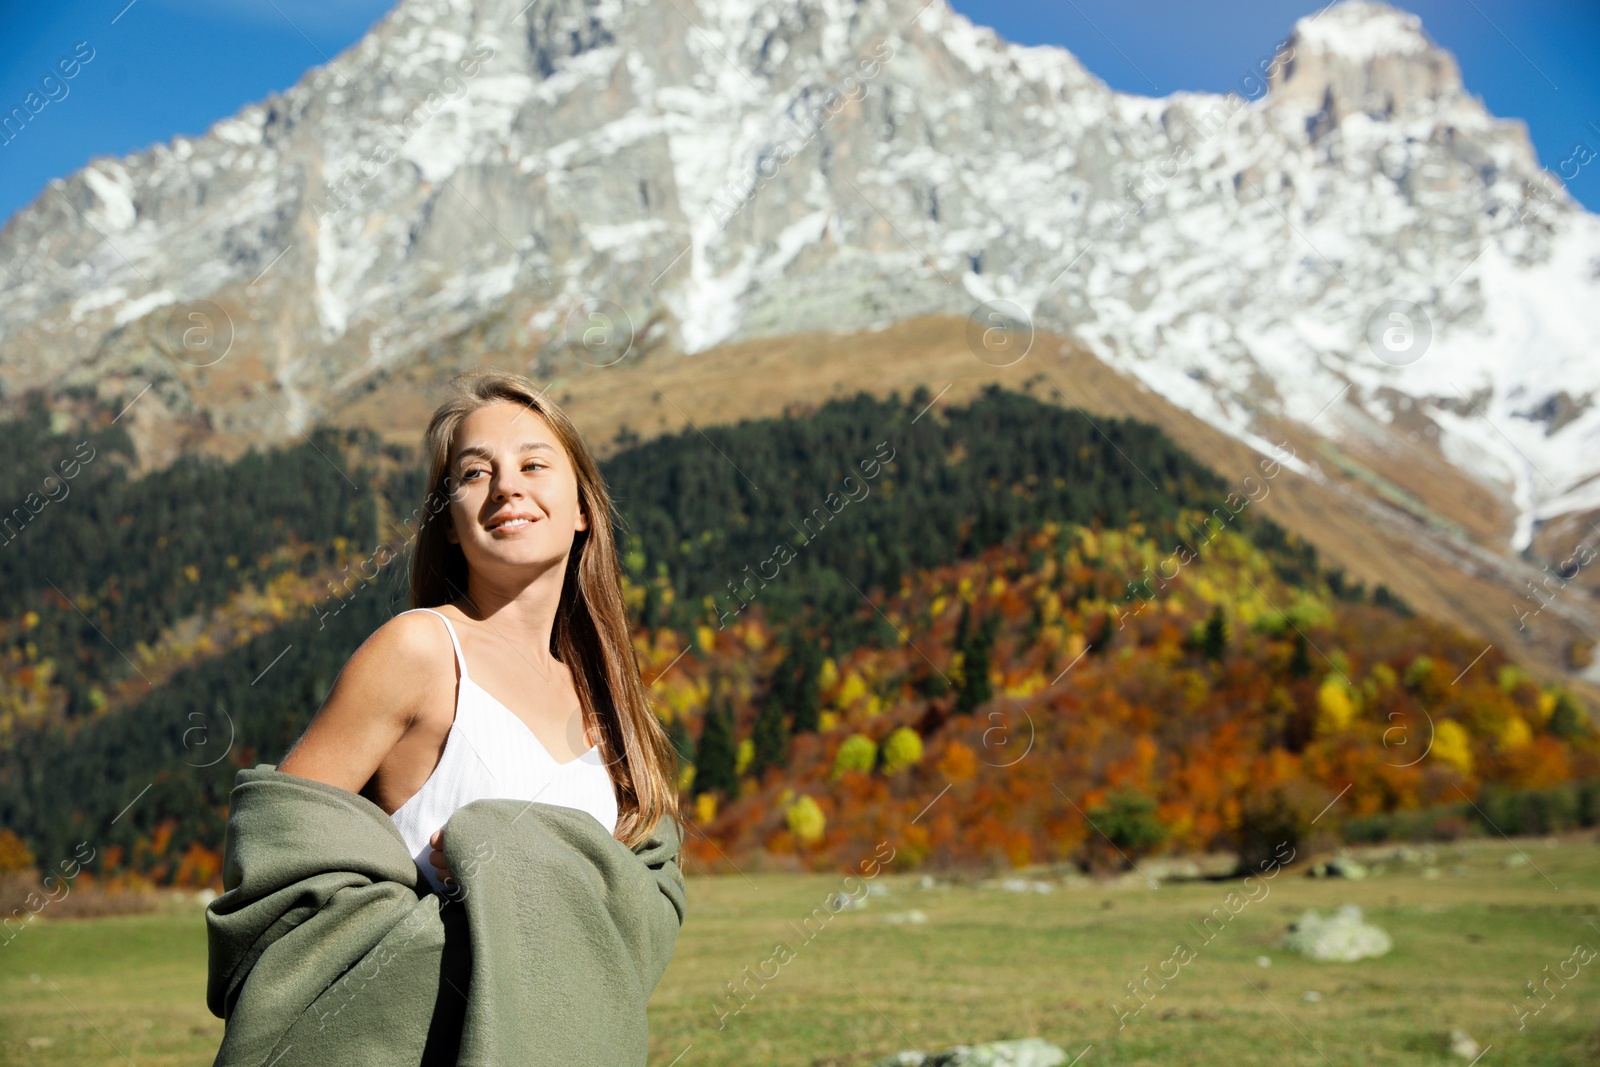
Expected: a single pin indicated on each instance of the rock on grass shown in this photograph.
(1342, 936)
(1026, 1052)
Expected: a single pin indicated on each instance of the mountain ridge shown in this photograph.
(770, 168)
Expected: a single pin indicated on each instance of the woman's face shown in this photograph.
(515, 505)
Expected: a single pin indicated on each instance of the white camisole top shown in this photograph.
(491, 753)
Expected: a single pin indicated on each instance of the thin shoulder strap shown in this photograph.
(461, 661)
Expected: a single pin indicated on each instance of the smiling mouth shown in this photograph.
(510, 524)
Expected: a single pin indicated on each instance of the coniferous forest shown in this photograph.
(840, 613)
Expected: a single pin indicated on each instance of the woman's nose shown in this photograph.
(505, 484)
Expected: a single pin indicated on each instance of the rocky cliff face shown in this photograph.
(1360, 249)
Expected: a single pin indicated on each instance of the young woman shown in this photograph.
(513, 572)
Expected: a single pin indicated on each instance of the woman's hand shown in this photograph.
(438, 860)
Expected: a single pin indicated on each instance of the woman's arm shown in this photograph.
(375, 699)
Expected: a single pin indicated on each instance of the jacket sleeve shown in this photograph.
(660, 853)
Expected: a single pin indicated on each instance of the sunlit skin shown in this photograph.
(385, 722)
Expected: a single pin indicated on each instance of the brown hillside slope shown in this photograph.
(1438, 566)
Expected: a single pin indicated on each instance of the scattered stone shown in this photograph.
(877, 889)
(845, 902)
(1018, 885)
(1341, 866)
(1311, 995)
(40, 1042)
(1263, 961)
(1430, 873)
(1514, 860)
(1462, 1045)
(1027, 1052)
(205, 896)
(915, 915)
(1173, 870)
(1342, 936)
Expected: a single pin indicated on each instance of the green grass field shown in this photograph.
(986, 964)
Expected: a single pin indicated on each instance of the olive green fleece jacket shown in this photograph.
(326, 947)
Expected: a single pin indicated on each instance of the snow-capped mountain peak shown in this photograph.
(1361, 31)
(1365, 57)
(475, 173)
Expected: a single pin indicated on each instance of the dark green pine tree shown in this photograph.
(1299, 661)
(1566, 718)
(974, 647)
(770, 738)
(1101, 639)
(797, 684)
(1214, 638)
(679, 735)
(716, 755)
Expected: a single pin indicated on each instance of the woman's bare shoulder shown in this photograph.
(413, 644)
(402, 662)
(387, 682)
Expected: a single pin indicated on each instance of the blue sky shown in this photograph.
(166, 67)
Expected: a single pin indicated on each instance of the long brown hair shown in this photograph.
(591, 635)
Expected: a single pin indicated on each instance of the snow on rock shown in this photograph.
(112, 185)
(736, 168)
(1362, 31)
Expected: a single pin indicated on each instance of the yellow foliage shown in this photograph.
(1452, 745)
(747, 751)
(997, 586)
(858, 753)
(828, 676)
(1028, 685)
(705, 808)
(1514, 733)
(938, 606)
(805, 820)
(1049, 608)
(1335, 709)
(705, 637)
(853, 689)
(1547, 704)
(902, 748)
(827, 720)
(754, 639)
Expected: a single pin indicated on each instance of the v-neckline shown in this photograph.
(542, 748)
